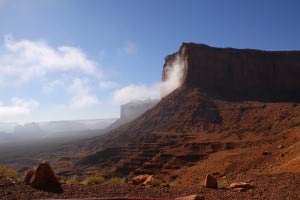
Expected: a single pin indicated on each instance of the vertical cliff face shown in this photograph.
(240, 74)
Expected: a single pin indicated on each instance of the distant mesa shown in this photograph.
(32, 131)
(133, 110)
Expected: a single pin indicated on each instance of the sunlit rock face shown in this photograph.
(238, 73)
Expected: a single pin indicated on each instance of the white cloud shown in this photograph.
(136, 92)
(50, 86)
(84, 101)
(108, 84)
(81, 94)
(174, 73)
(18, 107)
(25, 59)
(79, 86)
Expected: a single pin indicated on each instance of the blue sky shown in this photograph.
(63, 59)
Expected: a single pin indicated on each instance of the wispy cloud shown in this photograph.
(17, 107)
(52, 85)
(26, 59)
(174, 73)
(136, 92)
(108, 84)
(84, 101)
(81, 94)
(129, 48)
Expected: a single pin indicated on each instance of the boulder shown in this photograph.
(44, 179)
(28, 176)
(243, 185)
(211, 182)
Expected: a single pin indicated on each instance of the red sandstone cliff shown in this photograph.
(198, 129)
(239, 73)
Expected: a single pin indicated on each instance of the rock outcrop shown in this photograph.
(211, 182)
(239, 74)
(43, 178)
(28, 176)
(241, 185)
(227, 100)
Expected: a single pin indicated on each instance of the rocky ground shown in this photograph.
(276, 186)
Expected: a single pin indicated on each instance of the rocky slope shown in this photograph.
(232, 105)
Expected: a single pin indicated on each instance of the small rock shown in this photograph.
(148, 181)
(11, 181)
(265, 153)
(280, 146)
(28, 176)
(140, 179)
(211, 182)
(191, 197)
(241, 185)
(165, 185)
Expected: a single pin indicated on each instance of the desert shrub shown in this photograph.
(72, 181)
(7, 172)
(222, 183)
(295, 105)
(116, 180)
(93, 180)
(156, 182)
(229, 146)
(295, 124)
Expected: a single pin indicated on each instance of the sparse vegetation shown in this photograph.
(222, 183)
(93, 180)
(157, 182)
(72, 181)
(296, 124)
(116, 180)
(229, 146)
(295, 105)
(7, 172)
